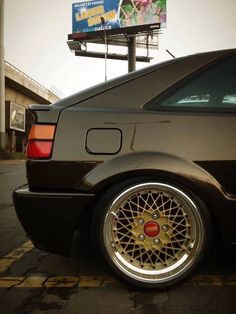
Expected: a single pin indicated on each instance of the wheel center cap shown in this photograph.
(151, 229)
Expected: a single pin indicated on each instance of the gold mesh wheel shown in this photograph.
(153, 232)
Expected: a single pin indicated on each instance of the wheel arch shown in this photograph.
(165, 168)
(148, 164)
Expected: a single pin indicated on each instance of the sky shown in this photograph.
(36, 40)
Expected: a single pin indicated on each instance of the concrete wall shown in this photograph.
(13, 95)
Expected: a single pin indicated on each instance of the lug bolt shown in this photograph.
(141, 237)
(141, 221)
(165, 228)
(157, 241)
(155, 216)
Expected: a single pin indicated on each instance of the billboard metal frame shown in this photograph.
(77, 42)
(124, 30)
(133, 35)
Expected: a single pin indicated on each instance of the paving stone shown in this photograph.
(84, 301)
(14, 300)
(118, 296)
(32, 282)
(217, 300)
(111, 309)
(182, 297)
(65, 282)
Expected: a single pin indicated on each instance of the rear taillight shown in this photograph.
(40, 141)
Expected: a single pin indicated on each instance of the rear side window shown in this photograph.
(215, 88)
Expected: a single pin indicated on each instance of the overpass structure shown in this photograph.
(19, 84)
(21, 91)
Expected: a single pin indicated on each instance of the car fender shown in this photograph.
(166, 168)
(147, 164)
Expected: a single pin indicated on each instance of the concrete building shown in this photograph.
(21, 91)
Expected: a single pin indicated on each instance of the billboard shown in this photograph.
(17, 117)
(91, 16)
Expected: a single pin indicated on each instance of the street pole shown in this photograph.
(106, 51)
(2, 79)
(132, 53)
(106, 46)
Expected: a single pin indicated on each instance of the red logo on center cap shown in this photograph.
(151, 229)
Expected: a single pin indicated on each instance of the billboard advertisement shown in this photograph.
(17, 117)
(91, 16)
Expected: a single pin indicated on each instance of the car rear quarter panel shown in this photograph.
(191, 136)
(164, 145)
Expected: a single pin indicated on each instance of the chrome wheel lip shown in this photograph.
(168, 273)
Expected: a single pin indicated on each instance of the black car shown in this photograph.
(147, 161)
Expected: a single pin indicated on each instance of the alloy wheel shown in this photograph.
(153, 232)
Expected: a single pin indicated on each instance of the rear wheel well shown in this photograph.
(163, 176)
(188, 184)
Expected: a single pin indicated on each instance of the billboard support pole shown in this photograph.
(106, 53)
(132, 53)
(106, 45)
(2, 80)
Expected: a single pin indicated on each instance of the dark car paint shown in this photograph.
(50, 227)
(154, 144)
(224, 171)
(180, 67)
(62, 176)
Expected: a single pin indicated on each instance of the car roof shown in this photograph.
(190, 62)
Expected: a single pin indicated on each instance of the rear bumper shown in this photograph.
(50, 219)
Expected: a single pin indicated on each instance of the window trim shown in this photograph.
(182, 109)
(175, 87)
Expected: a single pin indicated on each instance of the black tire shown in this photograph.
(152, 234)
